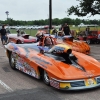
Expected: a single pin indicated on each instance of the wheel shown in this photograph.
(18, 42)
(46, 78)
(98, 41)
(88, 41)
(12, 60)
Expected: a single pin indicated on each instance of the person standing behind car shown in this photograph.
(87, 31)
(3, 34)
(66, 29)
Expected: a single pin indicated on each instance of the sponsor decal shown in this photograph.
(39, 60)
(90, 81)
(25, 67)
(15, 48)
(45, 49)
(55, 84)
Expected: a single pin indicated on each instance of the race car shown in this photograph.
(56, 64)
(79, 46)
(20, 39)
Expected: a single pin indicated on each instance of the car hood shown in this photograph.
(87, 67)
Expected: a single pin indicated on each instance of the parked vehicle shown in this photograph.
(56, 64)
(20, 39)
(92, 37)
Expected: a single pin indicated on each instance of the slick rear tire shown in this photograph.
(12, 61)
(46, 78)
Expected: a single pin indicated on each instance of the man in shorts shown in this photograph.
(3, 35)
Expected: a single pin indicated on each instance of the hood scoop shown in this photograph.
(72, 60)
(75, 64)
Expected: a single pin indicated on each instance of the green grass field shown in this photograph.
(28, 31)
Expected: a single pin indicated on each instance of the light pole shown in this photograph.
(7, 13)
(50, 15)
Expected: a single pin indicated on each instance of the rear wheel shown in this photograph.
(46, 78)
(12, 60)
(18, 42)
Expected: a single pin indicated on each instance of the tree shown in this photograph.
(85, 7)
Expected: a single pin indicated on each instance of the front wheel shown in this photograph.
(46, 78)
(12, 60)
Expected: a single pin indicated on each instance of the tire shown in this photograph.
(12, 61)
(18, 42)
(97, 42)
(46, 78)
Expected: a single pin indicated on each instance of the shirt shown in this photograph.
(3, 32)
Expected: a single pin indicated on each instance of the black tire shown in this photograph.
(18, 42)
(46, 78)
(98, 41)
(12, 61)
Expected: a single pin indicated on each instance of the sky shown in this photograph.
(28, 10)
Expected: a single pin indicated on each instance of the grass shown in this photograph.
(28, 31)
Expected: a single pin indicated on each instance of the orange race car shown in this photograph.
(79, 46)
(56, 64)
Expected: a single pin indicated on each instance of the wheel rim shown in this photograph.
(46, 77)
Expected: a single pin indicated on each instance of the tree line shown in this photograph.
(55, 21)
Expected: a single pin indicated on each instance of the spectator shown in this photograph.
(66, 29)
(61, 27)
(18, 32)
(3, 35)
(87, 31)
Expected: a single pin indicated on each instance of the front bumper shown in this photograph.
(75, 84)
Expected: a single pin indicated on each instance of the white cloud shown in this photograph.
(36, 9)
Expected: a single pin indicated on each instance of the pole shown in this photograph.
(7, 13)
(50, 15)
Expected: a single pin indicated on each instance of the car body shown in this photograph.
(58, 65)
(20, 39)
(76, 45)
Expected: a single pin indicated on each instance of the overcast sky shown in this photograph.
(37, 9)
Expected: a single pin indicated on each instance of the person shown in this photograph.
(3, 35)
(39, 35)
(66, 29)
(18, 32)
(60, 29)
(54, 32)
(87, 30)
(47, 42)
